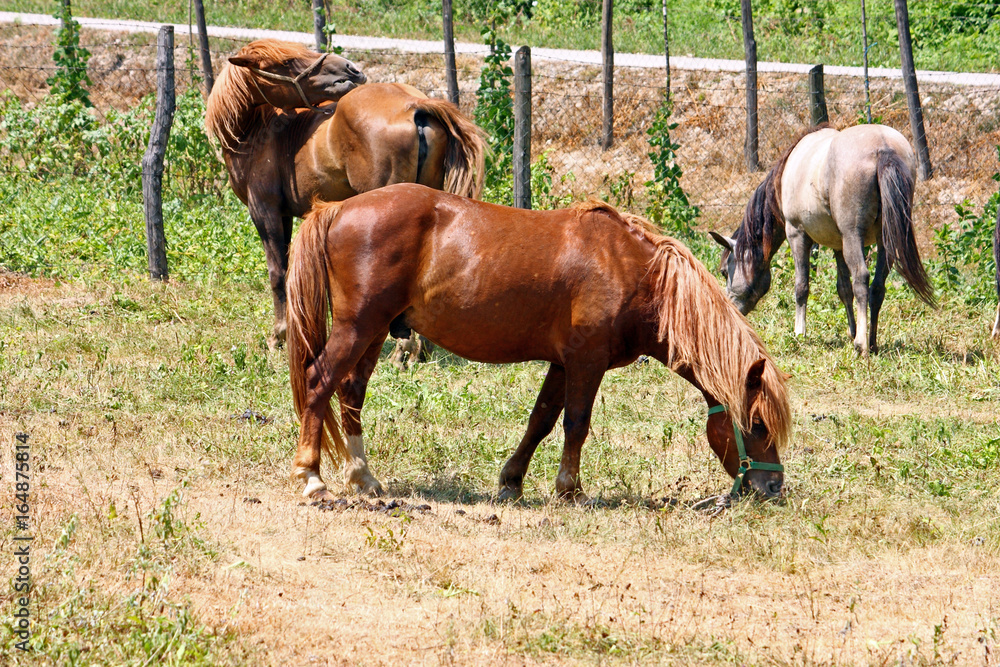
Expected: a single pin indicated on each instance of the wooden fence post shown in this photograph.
(864, 38)
(522, 128)
(608, 59)
(319, 23)
(666, 51)
(206, 55)
(912, 95)
(817, 97)
(450, 69)
(750, 49)
(152, 160)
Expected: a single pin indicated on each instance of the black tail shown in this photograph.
(895, 184)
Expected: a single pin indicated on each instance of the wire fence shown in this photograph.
(963, 121)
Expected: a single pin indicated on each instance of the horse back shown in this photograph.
(455, 260)
(375, 135)
(829, 185)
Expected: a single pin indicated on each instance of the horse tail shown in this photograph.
(465, 159)
(308, 286)
(895, 184)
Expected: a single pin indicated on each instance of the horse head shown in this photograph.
(290, 76)
(746, 281)
(750, 457)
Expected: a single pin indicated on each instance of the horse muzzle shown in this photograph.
(765, 485)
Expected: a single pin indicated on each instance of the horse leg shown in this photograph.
(340, 355)
(876, 295)
(352, 398)
(582, 383)
(403, 352)
(271, 227)
(543, 418)
(854, 256)
(801, 245)
(844, 291)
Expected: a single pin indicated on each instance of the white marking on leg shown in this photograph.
(356, 466)
(800, 320)
(314, 483)
(861, 337)
(996, 323)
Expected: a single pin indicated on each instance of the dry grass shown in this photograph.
(886, 552)
(145, 476)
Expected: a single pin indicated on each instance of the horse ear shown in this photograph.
(723, 241)
(755, 381)
(243, 61)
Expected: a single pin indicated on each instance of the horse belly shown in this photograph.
(821, 228)
(498, 330)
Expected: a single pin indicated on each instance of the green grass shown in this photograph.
(115, 377)
(948, 36)
(132, 393)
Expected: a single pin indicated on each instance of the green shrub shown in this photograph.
(495, 108)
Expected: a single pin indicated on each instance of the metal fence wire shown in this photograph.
(566, 99)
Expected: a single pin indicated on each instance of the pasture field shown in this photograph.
(160, 429)
(167, 530)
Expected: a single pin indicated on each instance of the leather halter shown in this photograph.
(295, 82)
(746, 463)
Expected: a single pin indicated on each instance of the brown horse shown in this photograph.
(586, 289)
(283, 151)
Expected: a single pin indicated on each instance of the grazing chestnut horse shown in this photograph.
(282, 150)
(586, 289)
(843, 190)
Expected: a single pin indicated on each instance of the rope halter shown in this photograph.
(295, 81)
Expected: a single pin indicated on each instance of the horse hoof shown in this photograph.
(372, 488)
(575, 496)
(509, 494)
(322, 495)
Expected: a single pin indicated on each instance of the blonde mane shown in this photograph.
(706, 334)
(703, 330)
(230, 117)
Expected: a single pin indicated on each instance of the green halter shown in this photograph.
(746, 463)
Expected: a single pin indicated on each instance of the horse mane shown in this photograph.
(229, 116)
(755, 235)
(704, 331)
(707, 335)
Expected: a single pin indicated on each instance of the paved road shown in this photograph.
(566, 55)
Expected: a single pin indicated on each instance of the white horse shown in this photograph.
(844, 190)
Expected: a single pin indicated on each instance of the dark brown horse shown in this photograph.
(282, 155)
(585, 289)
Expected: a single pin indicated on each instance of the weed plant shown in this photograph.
(947, 35)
